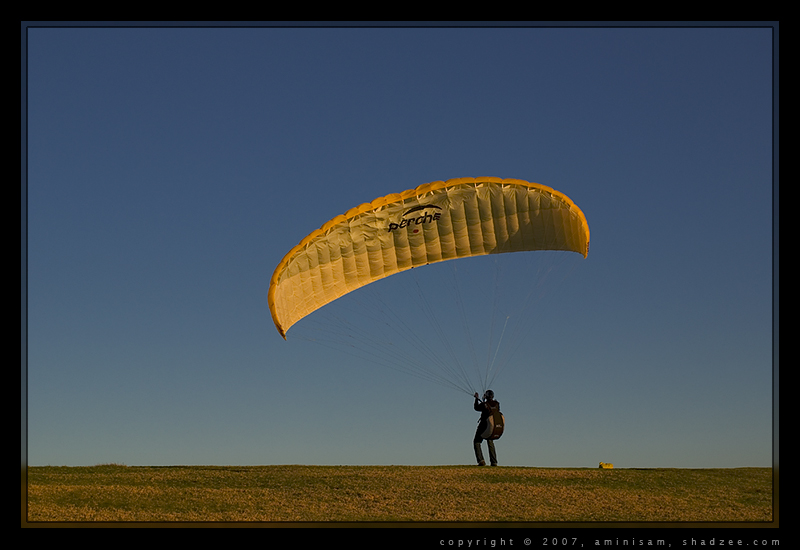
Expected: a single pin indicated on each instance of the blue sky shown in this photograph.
(170, 169)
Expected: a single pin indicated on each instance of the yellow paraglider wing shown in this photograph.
(438, 221)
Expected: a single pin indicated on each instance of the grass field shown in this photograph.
(113, 493)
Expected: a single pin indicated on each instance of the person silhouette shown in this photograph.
(485, 407)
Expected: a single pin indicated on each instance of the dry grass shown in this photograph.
(396, 494)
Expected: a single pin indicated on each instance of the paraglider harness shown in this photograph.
(495, 422)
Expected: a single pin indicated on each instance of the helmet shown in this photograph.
(488, 394)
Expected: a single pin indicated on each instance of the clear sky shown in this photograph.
(170, 169)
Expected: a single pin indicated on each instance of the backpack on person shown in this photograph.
(495, 423)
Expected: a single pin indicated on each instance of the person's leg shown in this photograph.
(476, 444)
(492, 452)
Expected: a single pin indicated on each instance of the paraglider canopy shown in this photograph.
(434, 222)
